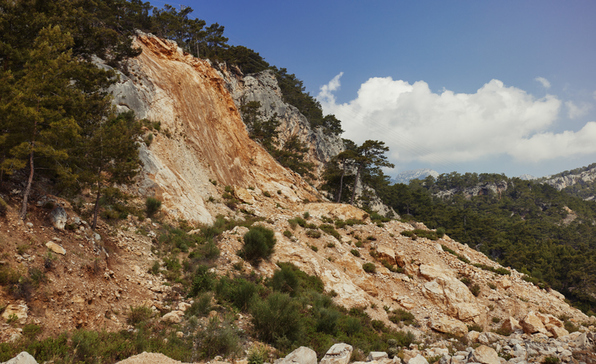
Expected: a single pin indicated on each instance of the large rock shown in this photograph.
(511, 324)
(55, 248)
(485, 355)
(302, 355)
(16, 310)
(23, 358)
(338, 354)
(532, 324)
(448, 325)
(243, 195)
(173, 316)
(376, 356)
(418, 359)
(58, 217)
(556, 331)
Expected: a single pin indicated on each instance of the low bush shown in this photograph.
(138, 315)
(355, 252)
(152, 206)
(369, 267)
(329, 229)
(315, 234)
(276, 319)
(258, 244)
(404, 316)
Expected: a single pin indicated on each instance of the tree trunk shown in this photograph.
(23, 213)
(341, 182)
(355, 184)
(96, 207)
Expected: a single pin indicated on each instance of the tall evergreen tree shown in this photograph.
(371, 154)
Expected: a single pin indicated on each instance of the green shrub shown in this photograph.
(138, 315)
(467, 281)
(475, 289)
(237, 291)
(551, 360)
(329, 229)
(404, 316)
(257, 355)
(355, 252)
(327, 320)
(440, 232)
(258, 244)
(340, 223)
(306, 215)
(202, 280)
(266, 194)
(154, 268)
(288, 234)
(285, 280)
(219, 338)
(475, 327)
(314, 248)
(297, 221)
(276, 319)
(152, 205)
(369, 267)
(315, 234)
(492, 285)
(200, 307)
(496, 320)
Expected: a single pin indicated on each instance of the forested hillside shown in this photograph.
(547, 234)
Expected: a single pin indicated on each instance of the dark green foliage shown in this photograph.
(551, 360)
(276, 319)
(219, 338)
(287, 233)
(404, 316)
(315, 234)
(237, 291)
(369, 267)
(138, 315)
(329, 229)
(202, 280)
(200, 307)
(475, 289)
(3, 207)
(297, 221)
(355, 252)
(152, 205)
(258, 244)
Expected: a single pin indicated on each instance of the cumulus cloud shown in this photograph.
(575, 111)
(545, 83)
(420, 125)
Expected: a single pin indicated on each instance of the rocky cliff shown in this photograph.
(580, 182)
(202, 140)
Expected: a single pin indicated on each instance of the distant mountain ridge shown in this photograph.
(406, 176)
(580, 182)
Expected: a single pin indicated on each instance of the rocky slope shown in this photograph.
(92, 279)
(580, 182)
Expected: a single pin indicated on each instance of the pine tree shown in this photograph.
(371, 154)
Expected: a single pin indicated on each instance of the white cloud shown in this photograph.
(419, 125)
(545, 83)
(575, 111)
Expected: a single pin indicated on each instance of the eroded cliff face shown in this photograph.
(263, 87)
(202, 140)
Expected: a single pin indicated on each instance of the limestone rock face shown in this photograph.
(418, 359)
(338, 354)
(189, 97)
(302, 355)
(58, 217)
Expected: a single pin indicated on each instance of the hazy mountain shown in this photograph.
(406, 176)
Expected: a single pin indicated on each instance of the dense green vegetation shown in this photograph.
(525, 226)
(582, 189)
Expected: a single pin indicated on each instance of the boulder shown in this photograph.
(386, 253)
(376, 356)
(173, 316)
(448, 325)
(55, 248)
(243, 195)
(505, 283)
(302, 355)
(485, 355)
(556, 331)
(511, 324)
(16, 310)
(23, 358)
(473, 336)
(338, 354)
(418, 359)
(58, 217)
(532, 324)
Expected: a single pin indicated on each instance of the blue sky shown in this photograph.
(468, 86)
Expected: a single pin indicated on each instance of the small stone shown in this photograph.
(29, 225)
(55, 248)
